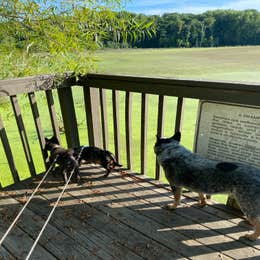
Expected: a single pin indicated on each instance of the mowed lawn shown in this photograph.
(232, 64)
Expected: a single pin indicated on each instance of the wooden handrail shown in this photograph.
(95, 98)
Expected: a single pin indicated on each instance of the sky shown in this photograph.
(159, 7)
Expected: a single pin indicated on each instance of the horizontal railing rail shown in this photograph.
(96, 108)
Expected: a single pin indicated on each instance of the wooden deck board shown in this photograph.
(120, 217)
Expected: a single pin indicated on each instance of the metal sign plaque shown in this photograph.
(228, 132)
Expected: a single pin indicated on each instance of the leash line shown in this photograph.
(54, 207)
(50, 215)
(27, 202)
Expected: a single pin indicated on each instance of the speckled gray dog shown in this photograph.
(195, 172)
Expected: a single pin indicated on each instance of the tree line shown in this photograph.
(210, 29)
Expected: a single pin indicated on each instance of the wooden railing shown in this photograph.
(94, 89)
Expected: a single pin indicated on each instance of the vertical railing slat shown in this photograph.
(115, 101)
(23, 135)
(69, 116)
(128, 129)
(144, 123)
(103, 108)
(8, 152)
(92, 105)
(160, 126)
(179, 114)
(37, 122)
(53, 115)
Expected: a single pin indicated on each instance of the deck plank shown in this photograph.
(18, 242)
(70, 220)
(119, 238)
(5, 255)
(120, 217)
(190, 222)
(212, 217)
(117, 205)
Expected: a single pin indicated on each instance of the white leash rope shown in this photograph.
(53, 209)
(28, 201)
(50, 215)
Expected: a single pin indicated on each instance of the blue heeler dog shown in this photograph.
(197, 173)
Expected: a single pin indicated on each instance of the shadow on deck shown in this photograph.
(120, 217)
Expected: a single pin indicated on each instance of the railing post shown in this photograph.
(128, 129)
(160, 126)
(23, 135)
(37, 122)
(68, 115)
(103, 107)
(8, 152)
(52, 112)
(144, 123)
(179, 114)
(115, 101)
(92, 109)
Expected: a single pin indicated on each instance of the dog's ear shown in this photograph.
(177, 136)
(54, 139)
(157, 138)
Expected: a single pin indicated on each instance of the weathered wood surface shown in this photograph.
(144, 127)
(104, 122)
(8, 151)
(116, 123)
(160, 127)
(38, 125)
(120, 217)
(236, 92)
(53, 115)
(23, 134)
(92, 110)
(25, 85)
(243, 93)
(128, 129)
(11, 87)
(69, 116)
(179, 114)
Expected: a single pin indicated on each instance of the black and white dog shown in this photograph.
(92, 154)
(70, 158)
(195, 172)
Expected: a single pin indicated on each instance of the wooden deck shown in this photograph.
(120, 217)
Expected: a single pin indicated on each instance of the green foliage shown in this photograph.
(65, 33)
(212, 28)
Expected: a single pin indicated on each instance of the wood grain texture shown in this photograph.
(104, 123)
(8, 152)
(128, 129)
(117, 140)
(52, 113)
(23, 135)
(38, 125)
(160, 127)
(122, 218)
(92, 110)
(69, 116)
(144, 126)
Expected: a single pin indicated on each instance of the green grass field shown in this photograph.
(233, 64)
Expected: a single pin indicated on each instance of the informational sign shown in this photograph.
(228, 132)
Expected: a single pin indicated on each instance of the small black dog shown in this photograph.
(91, 154)
(65, 158)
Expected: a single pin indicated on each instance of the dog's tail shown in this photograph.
(115, 162)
